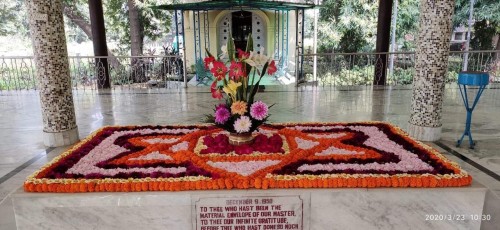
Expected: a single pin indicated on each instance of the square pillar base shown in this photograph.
(63, 138)
(422, 133)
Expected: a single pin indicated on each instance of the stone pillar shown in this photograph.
(54, 83)
(99, 42)
(431, 66)
(383, 39)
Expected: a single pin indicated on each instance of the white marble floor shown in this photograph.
(22, 150)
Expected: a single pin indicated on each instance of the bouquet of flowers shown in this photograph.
(238, 81)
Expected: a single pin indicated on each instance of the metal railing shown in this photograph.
(88, 72)
(333, 69)
(347, 69)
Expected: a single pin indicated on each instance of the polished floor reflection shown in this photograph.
(22, 150)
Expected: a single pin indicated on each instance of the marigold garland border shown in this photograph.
(459, 178)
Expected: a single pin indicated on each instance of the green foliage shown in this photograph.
(358, 75)
(350, 26)
(352, 40)
(483, 10)
(483, 35)
(402, 76)
(363, 75)
(156, 23)
(407, 24)
(7, 13)
(347, 26)
(487, 21)
(12, 18)
(73, 32)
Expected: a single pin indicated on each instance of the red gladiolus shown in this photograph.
(219, 70)
(216, 92)
(236, 71)
(208, 60)
(243, 55)
(271, 68)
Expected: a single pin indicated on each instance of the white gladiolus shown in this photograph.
(256, 59)
(224, 52)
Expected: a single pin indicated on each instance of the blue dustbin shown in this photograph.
(480, 79)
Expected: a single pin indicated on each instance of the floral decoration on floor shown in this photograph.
(302, 155)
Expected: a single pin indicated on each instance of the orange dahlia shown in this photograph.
(239, 107)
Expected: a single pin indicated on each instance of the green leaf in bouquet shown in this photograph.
(264, 69)
(249, 49)
(231, 50)
(254, 90)
(208, 53)
(255, 87)
(209, 118)
(239, 93)
(249, 44)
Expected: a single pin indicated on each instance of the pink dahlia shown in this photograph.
(221, 105)
(222, 114)
(243, 124)
(259, 110)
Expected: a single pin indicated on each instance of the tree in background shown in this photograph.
(407, 24)
(8, 16)
(154, 23)
(351, 25)
(486, 18)
(347, 26)
(131, 22)
(487, 22)
(77, 11)
(484, 31)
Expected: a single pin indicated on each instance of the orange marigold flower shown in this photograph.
(239, 107)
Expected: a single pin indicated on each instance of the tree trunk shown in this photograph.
(136, 41)
(77, 18)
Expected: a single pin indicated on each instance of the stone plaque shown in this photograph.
(249, 213)
(41, 17)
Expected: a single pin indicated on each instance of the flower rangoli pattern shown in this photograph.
(301, 155)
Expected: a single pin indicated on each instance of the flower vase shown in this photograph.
(240, 138)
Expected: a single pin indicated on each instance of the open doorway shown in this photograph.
(241, 28)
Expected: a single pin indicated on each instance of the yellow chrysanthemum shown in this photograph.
(239, 107)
